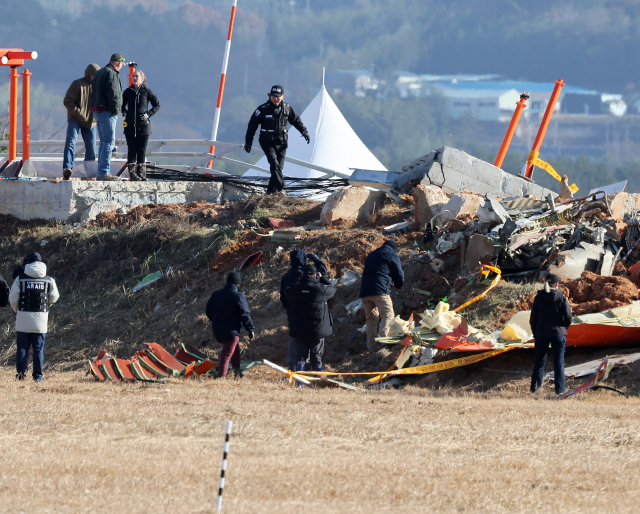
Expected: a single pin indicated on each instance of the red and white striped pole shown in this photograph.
(223, 78)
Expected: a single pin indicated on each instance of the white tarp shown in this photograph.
(334, 144)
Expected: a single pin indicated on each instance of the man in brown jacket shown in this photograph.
(80, 119)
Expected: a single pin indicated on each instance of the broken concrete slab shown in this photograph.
(429, 201)
(463, 204)
(479, 249)
(623, 203)
(91, 213)
(351, 204)
(454, 170)
(69, 199)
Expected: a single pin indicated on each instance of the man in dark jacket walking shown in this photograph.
(273, 117)
(77, 100)
(228, 311)
(106, 103)
(298, 259)
(309, 317)
(549, 320)
(382, 270)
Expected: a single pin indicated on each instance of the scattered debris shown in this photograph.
(149, 279)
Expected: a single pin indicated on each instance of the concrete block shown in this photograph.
(463, 204)
(68, 200)
(96, 208)
(351, 204)
(456, 171)
(429, 201)
(621, 203)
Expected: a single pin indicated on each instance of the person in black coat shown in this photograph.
(4, 292)
(272, 118)
(137, 124)
(382, 270)
(549, 320)
(298, 259)
(228, 311)
(310, 320)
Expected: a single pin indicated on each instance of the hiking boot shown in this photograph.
(107, 177)
(20, 376)
(238, 374)
(133, 173)
(142, 172)
(299, 367)
(66, 173)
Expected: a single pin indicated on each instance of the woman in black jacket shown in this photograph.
(137, 127)
(550, 318)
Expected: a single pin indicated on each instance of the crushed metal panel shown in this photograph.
(278, 223)
(123, 368)
(96, 371)
(205, 367)
(151, 366)
(110, 371)
(589, 368)
(593, 335)
(373, 178)
(183, 357)
(162, 356)
(194, 351)
(585, 257)
(252, 260)
(618, 187)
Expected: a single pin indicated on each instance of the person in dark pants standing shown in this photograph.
(550, 318)
(309, 317)
(272, 118)
(106, 103)
(77, 100)
(298, 259)
(137, 125)
(228, 311)
(31, 294)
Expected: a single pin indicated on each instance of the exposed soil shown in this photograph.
(593, 293)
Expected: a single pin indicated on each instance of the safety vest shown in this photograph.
(34, 293)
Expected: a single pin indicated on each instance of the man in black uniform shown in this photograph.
(273, 116)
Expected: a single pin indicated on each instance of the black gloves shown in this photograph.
(305, 134)
(247, 147)
(251, 335)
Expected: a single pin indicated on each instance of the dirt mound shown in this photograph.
(199, 210)
(593, 293)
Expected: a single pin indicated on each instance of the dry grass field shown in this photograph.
(72, 445)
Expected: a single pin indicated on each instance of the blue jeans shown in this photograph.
(25, 341)
(558, 345)
(89, 137)
(107, 134)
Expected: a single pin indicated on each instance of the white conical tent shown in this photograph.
(334, 145)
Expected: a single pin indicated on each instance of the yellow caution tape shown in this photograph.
(419, 370)
(533, 159)
(485, 271)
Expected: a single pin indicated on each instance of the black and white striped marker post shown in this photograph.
(224, 465)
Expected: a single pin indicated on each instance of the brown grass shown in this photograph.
(73, 445)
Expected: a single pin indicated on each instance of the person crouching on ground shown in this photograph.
(31, 294)
(309, 317)
(550, 318)
(298, 259)
(382, 270)
(228, 311)
(137, 124)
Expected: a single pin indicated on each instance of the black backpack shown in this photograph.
(4, 293)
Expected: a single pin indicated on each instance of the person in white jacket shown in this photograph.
(31, 294)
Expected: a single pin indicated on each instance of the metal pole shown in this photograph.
(223, 468)
(132, 70)
(527, 169)
(511, 130)
(26, 114)
(13, 115)
(223, 78)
